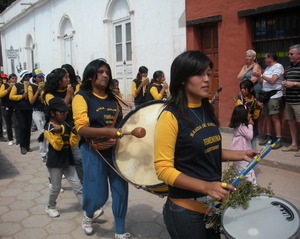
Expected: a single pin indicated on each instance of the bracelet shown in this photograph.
(295, 83)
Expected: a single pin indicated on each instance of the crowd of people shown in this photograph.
(78, 126)
(273, 89)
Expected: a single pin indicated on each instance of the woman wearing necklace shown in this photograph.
(188, 150)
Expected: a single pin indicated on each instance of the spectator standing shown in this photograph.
(271, 80)
(38, 114)
(292, 91)
(246, 71)
(23, 109)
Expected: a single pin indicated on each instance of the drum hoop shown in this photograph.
(114, 147)
(266, 195)
(138, 108)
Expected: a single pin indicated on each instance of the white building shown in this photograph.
(128, 33)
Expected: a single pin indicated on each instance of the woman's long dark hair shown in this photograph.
(249, 85)
(156, 74)
(90, 72)
(52, 81)
(187, 64)
(239, 116)
(72, 75)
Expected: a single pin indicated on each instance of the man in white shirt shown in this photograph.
(271, 81)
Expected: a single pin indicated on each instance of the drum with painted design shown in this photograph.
(134, 157)
(266, 217)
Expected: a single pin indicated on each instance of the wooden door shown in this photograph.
(209, 45)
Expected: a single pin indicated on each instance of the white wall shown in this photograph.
(158, 32)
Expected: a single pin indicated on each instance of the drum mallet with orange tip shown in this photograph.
(138, 132)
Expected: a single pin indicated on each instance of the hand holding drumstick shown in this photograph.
(138, 132)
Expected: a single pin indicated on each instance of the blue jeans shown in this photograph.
(98, 178)
(183, 223)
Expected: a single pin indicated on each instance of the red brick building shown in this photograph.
(225, 30)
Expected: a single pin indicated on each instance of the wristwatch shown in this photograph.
(295, 83)
(261, 76)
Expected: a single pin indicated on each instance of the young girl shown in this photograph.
(247, 98)
(114, 86)
(242, 124)
(60, 159)
(158, 87)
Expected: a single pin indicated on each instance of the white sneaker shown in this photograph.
(122, 236)
(87, 225)
(98, 213)
(63, 176)
(44, 159)
(10, 143)
(52, 212)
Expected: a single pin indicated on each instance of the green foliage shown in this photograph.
(239, 198)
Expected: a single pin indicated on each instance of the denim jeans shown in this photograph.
(183, 223)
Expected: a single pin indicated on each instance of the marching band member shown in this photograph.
(188, 151)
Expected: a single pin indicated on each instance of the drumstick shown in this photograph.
(213, 100)
(138, 132)
(257, 158)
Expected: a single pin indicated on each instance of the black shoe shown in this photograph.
(278, 145)
(28, 149)
(2, 139)
(23, 150)
(264, 141)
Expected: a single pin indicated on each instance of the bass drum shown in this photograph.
(266, 217)
(134, 157)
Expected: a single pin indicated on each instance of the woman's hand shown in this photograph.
(218, 190)
(256, 73)
(145, 82)
(70, 92)
(165, 85)
(114, 133)
(250, 67)
(249, 154)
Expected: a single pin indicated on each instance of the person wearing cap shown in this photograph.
(8, 110)
(3, 77)
(34, 95)
(23, 109)
(60, 158)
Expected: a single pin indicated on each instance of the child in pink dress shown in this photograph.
(242, 125)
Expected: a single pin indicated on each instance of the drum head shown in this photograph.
(266, 217)
(134, 157)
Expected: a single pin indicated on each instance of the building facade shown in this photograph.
(225, 30)
(127, 33)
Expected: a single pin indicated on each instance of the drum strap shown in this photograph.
(123, 101)
(112, 167)
(193, 205)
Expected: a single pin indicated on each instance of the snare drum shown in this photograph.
(133, 157)
(266, 217)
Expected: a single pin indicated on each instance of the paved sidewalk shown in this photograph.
(24, 192)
